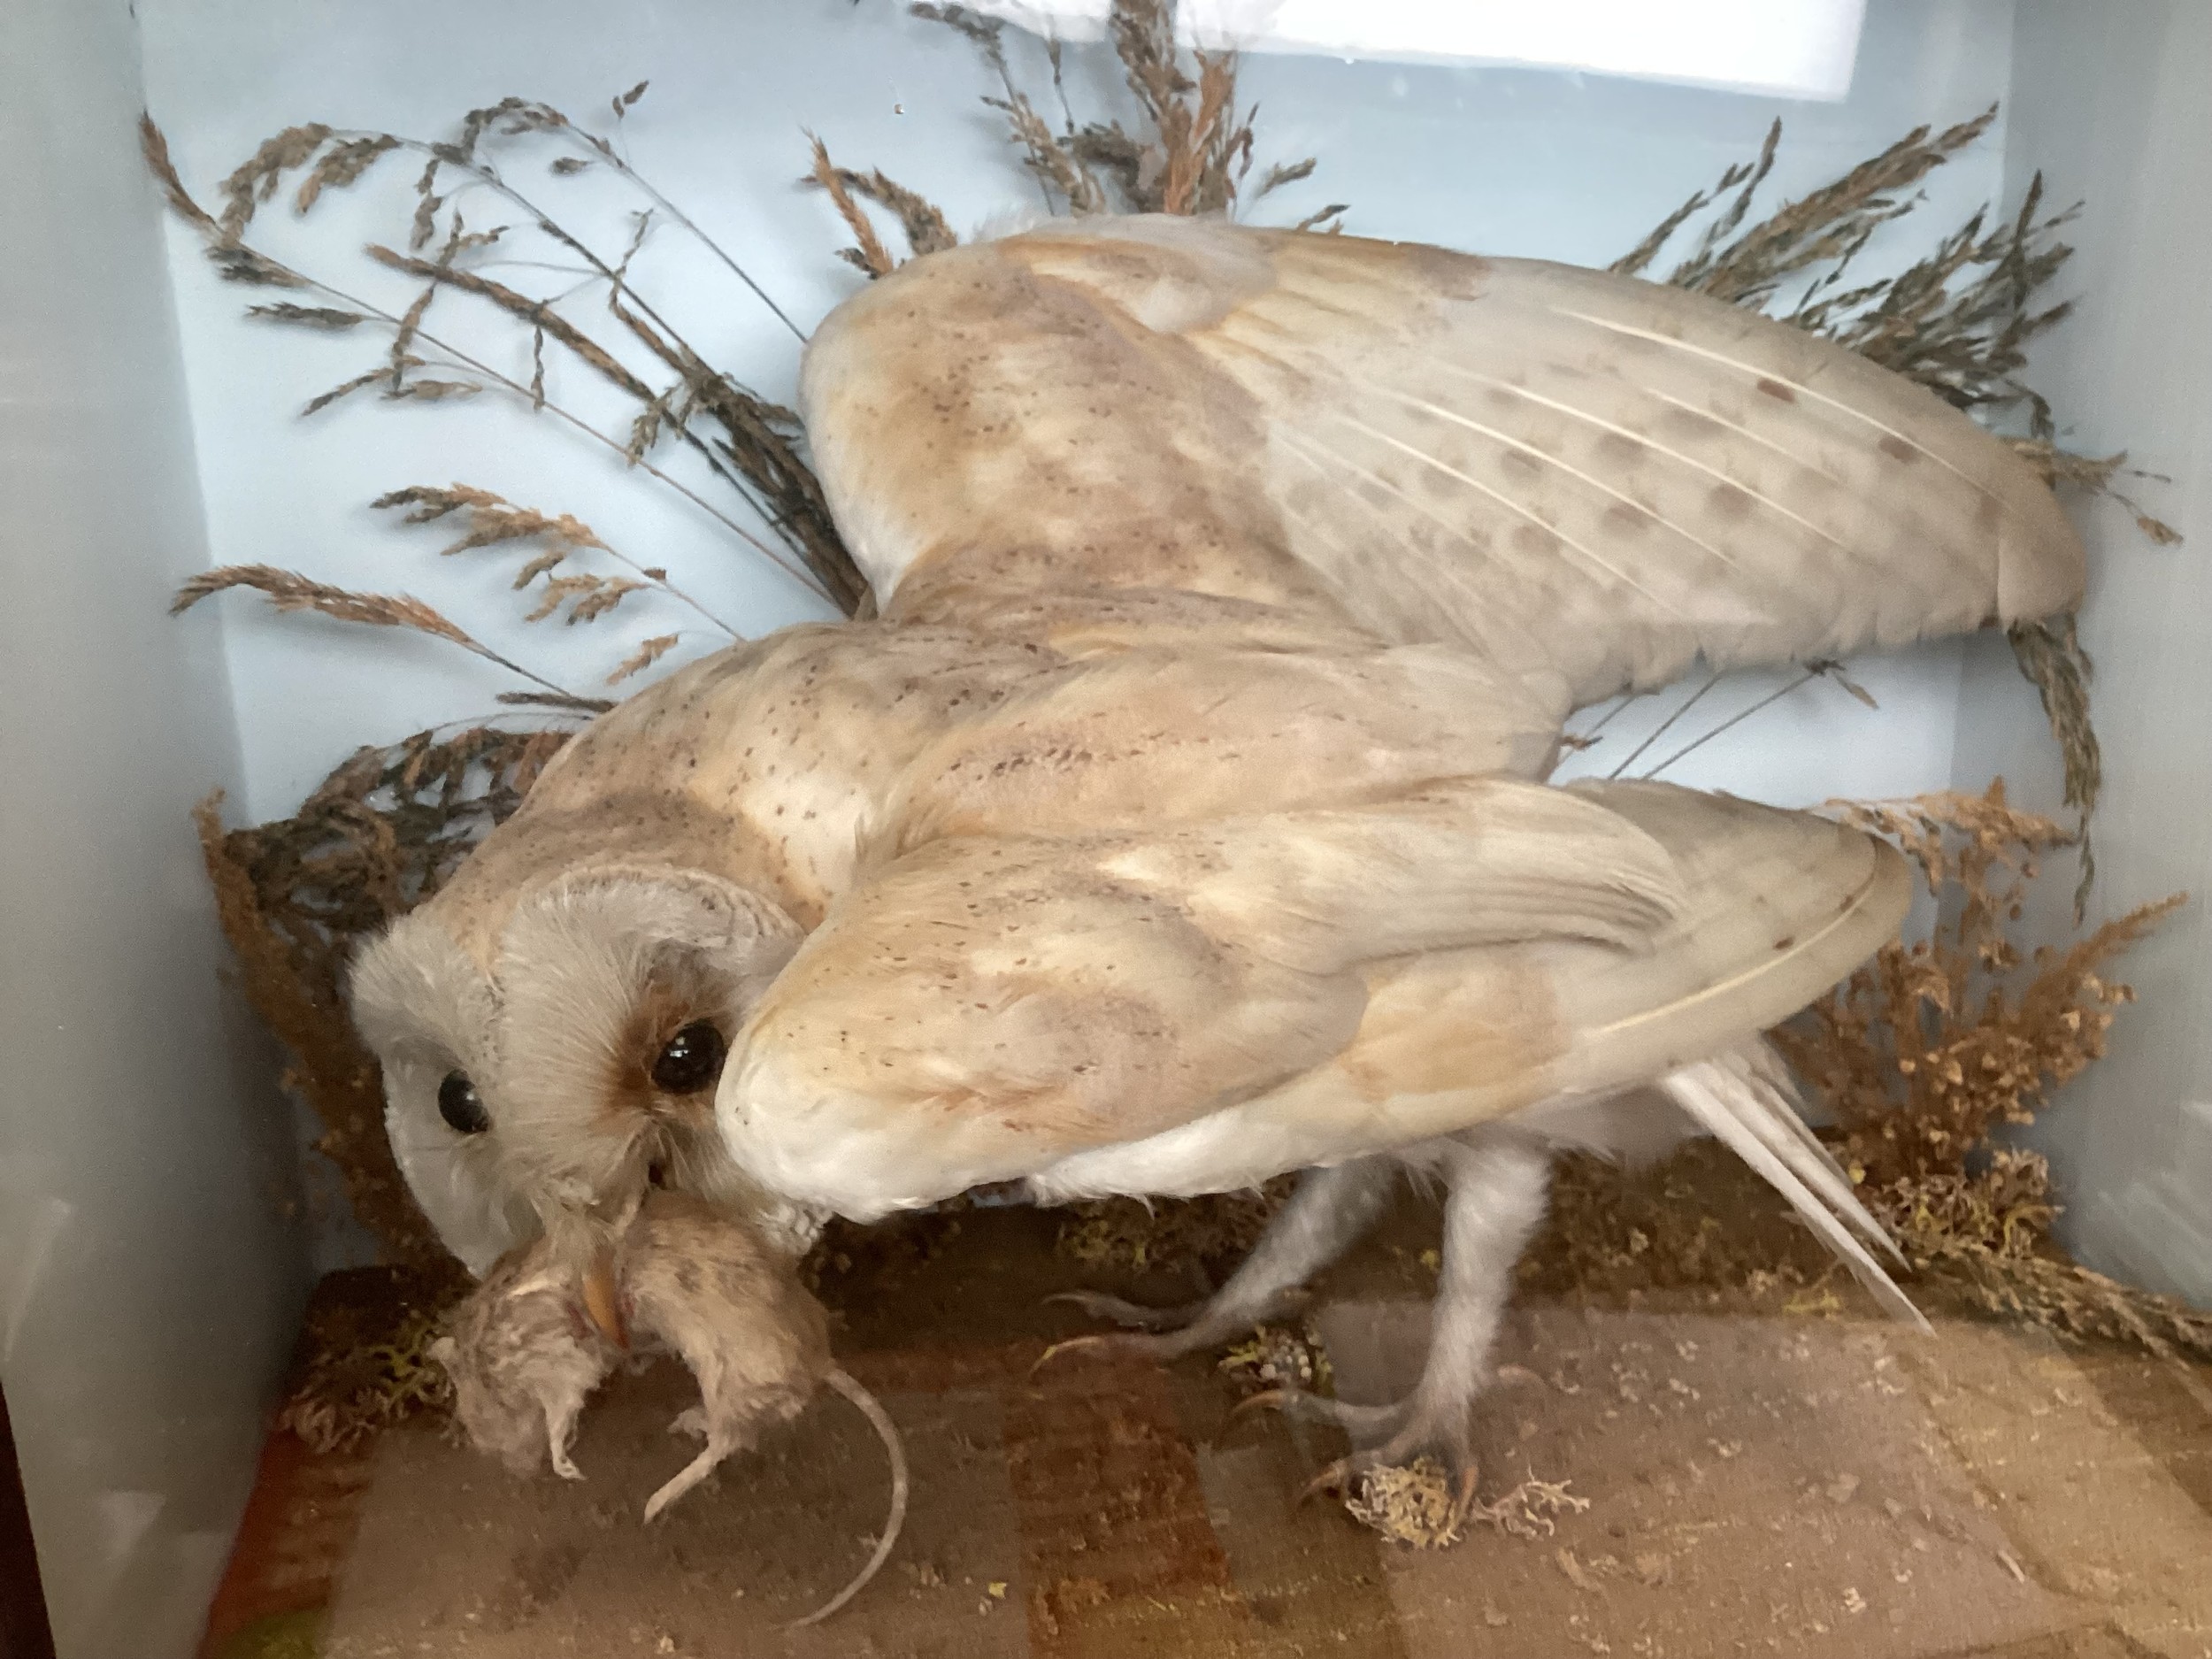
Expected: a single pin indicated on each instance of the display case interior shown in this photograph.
(1654, 747)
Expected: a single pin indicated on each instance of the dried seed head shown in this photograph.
(648, 653)
(322, 316)
(340, 166)
(255, 180)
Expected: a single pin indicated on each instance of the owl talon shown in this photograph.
(1275, 1399)
(1336, 1476)
(1129, 1315)
(1465, 1507)
(1361, 1422)
(1441, 1435)
(1076, 1344)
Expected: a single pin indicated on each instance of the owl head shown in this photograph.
(551, 1045)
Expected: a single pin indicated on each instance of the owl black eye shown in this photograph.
(461, 1106)
(691, 1059)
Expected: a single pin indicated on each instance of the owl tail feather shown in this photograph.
(1744, 1099)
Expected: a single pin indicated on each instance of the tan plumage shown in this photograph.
(1566, 472)
(1180, 820)
(1452, 1038)
(1184, 1012)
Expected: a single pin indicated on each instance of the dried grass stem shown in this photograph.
(541, 315)
(286, 590)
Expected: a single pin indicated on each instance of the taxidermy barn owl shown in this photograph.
(1180, 819)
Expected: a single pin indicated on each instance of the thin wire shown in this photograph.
(1691, 702)
(1809, 675)
(1606, 719)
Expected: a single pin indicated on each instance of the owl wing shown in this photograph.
(1202, 1007)
(1570, 472)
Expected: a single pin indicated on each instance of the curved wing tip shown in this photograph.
(2046, 575)
(2042, 561)
(1888, 888)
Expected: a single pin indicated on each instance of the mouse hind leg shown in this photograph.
(718, 1447)
(562, 1390)
(560, 1434)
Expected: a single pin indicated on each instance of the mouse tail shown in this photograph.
(880, 1421)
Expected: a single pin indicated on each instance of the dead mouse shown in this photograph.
(706, 1287)
(524, 1353)
(711, 1289)
(523, 1359)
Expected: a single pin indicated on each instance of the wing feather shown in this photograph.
(1565, 470)
(988, 1003)
(1203, 1009)
(1779, 905)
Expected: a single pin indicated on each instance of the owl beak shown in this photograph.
(602, 1302)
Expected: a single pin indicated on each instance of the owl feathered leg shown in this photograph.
(1328, 1213)
(1497, 1180)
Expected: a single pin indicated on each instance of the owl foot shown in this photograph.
(1168, 1333)
(1359, 1422)
(1131, 1315)
(1497, 1182)
(1345, 1476)
(1327, 1213)
(1407, 1431)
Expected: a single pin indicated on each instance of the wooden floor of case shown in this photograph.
(1800, 1485)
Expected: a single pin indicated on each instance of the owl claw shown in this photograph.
(1275, 1399)
(1131, 1315)
(1340, 1475)
(1331, 1478)
(1086, 1344)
